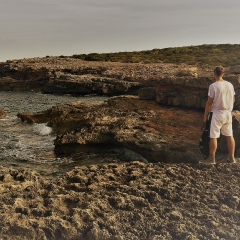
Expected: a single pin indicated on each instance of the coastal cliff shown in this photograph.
(170, 84)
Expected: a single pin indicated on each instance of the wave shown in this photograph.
(42, 129)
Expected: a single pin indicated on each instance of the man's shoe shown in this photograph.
(209, 160)
(232, 159)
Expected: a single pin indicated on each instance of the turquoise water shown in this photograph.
(30, 146)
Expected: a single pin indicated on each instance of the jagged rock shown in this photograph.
(234, 70)
(20, 77)
(122, 201)
(155, 132)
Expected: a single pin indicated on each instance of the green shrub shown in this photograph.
(207, 55)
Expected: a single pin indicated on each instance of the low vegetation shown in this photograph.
(208, 55)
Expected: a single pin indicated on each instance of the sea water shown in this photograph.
(30, 146)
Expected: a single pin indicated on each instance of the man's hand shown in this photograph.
(208, 108)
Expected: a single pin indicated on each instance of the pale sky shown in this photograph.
(36, 28)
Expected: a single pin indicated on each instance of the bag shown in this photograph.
(205, 138)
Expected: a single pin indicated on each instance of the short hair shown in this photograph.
(219, 71)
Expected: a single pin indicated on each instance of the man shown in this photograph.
(218, 110)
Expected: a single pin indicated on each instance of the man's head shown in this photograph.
(219, 71)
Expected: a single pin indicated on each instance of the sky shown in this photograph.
(39, 28)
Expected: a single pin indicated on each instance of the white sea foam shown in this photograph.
(42, 129)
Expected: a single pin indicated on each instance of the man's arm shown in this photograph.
(208, 108)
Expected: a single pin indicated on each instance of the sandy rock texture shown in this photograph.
(123, 201)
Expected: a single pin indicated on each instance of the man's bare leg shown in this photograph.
(231, 145)
(212, 147)
(231, 148)
(212, 151)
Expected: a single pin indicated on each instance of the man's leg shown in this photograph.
(212, 151)
(231, 145)
(212, 147)
(231, 148)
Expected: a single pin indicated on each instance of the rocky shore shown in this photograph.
(157, 190)
(123, 201)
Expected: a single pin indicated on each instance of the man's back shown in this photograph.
(222, 93)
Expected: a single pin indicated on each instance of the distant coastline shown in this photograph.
(205, 55)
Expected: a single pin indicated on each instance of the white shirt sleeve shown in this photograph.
(211, 91)
(233, 90)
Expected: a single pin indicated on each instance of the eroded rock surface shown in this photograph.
(123, 201)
